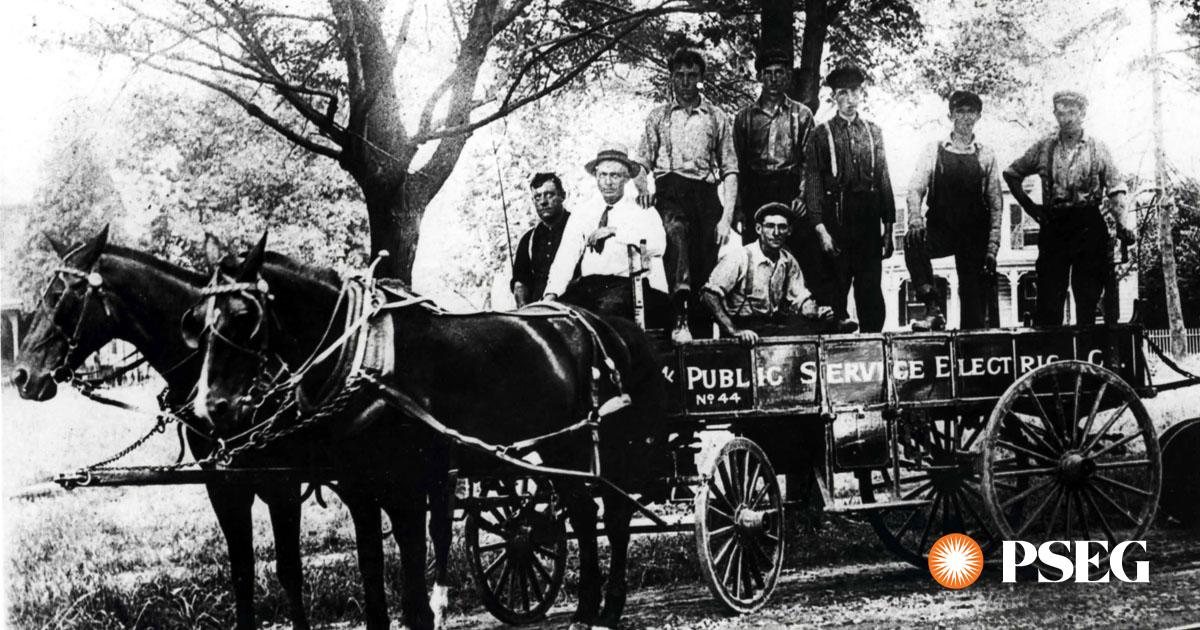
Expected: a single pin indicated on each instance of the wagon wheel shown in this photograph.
(1087, 455)
(518, 553)
(1180, 445)
(739, 526)
(938, 467)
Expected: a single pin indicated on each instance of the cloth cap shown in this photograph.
(774, 207)
(615, 153)
(1067, 97)
(846, 77)
(963, 98)
(772, 56)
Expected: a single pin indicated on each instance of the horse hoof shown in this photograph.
(439, 601)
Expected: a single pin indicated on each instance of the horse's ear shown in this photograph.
(254, 260)
(60, 248)
(90, 252)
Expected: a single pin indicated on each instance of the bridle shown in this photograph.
(95, 291)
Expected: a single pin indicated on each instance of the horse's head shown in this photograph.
(232, 325)
(74, 318)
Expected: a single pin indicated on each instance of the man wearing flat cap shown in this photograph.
(599, 238)
(1077, 174)
(758, 288)
(960, 182)
(849, 197)
(687, 145)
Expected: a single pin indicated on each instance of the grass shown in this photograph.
(155, 558)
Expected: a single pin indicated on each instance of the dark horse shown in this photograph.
(104, 292)
(496, 377)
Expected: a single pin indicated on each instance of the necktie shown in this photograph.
(599, 247)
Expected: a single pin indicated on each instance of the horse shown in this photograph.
(497, 377)
(103, 292)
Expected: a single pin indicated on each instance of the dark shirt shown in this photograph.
(861, 167)
(535, 253)
(771, 143)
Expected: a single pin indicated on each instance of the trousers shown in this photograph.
(1072, 252)
(973, 281)
(859, 263)
(613, 295)
(690, 210)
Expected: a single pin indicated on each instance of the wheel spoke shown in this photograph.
(1087, 494)
(532, 578)
(1109, 500)
(1052, 432)
(1107, 425)
(908, 523)
(720, 531)
(1028, 491)
(502, 581)
(1050, 450)
(730, 567)
(1062, 413)
(713, 510)
(1095, 410)
(759, 494)
(541, 570)
(928, 525)
(1083, 517)
(750, 477)
(522, 588)
(1033, 454)
(1123, 441)
(1059, 493)
(1125, 463)
(491, 567)
(1033, 516)
(492, 547)
(1025, 472)
(728, 547)
(720, 495)
(754, 568)
(1068, 493)
(492, 528)
(733, 495)
(1075, 413)
(1123, 485)
(915, 491)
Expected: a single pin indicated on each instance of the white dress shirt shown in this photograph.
(631, 224)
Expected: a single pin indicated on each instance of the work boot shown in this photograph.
(681, 333)
(933, 320)
(845, 325)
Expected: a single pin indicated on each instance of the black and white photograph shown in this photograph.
(599, 314)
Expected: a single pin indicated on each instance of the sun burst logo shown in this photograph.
(955, 561)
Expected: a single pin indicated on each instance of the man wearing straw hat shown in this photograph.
(600, 236)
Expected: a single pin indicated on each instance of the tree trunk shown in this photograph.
(777, 31)
(1166, 244)
(807, 82)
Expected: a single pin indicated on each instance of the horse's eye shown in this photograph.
(191, 327)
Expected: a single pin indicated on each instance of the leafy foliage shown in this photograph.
(1186, 234)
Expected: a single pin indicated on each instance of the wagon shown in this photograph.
(1029, 434)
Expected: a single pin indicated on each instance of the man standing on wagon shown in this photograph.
(1077, 173)
(688, 146)
(960, 181)
(849, 198)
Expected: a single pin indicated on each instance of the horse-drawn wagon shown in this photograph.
(1031, 434)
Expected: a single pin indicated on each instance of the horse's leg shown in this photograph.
(617, 514)
(582, 511)
(407, 512)
(283, 503)
(368, 537)
(441, 519)
(232, 507)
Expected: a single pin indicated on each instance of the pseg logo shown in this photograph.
(1074, 559)
(956, 561)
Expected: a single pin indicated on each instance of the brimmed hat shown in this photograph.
(774, 207)
(615, 153)
(1070, 96)
(846, 77)
(963, 98)
(771, 56)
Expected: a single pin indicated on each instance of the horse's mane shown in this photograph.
(156, 263)
(320, 274)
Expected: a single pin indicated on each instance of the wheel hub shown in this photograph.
(748, 520)
(1075, 468)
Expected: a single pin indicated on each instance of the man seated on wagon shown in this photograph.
(759, 289)
(601, 237)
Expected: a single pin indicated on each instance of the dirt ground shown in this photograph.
(889, 594)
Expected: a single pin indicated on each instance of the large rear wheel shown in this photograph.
(1073, 443)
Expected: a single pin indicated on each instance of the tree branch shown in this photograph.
(252, 109)
(402, 32)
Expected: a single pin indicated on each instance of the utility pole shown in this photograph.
(1163, 201)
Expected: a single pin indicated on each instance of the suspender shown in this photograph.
(833, 152)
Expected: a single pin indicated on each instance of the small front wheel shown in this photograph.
(739, 526)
